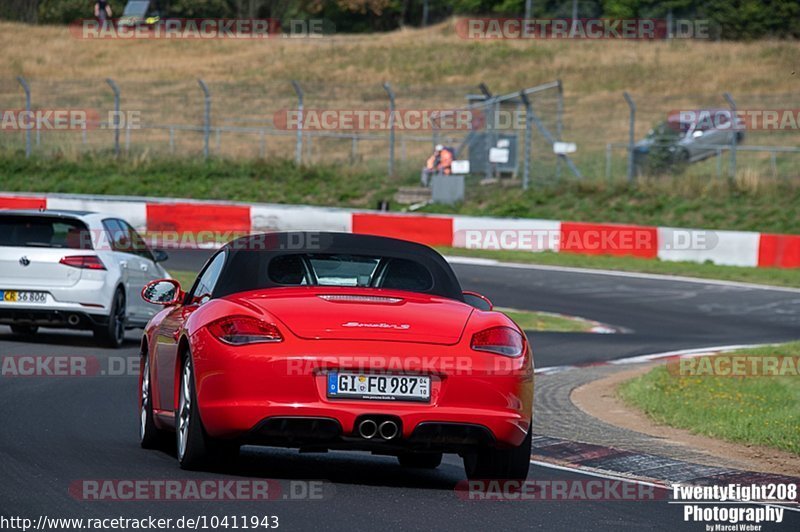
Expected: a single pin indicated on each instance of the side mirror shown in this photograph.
(164, 292)
(477, 300)
(159, 255)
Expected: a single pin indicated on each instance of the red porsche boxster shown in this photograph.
(327, 341)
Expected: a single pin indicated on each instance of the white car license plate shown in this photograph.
(347, 385)
(16, 296)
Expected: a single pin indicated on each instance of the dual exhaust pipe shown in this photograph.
(387, 430)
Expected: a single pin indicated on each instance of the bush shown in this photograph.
(67, 11)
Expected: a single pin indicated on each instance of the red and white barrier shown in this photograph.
(736, 248)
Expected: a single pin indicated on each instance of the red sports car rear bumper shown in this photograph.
(240, 388)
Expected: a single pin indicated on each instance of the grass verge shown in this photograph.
(250, 180)
(546, 321)
(749, 410)
(767, 276)
(185, 278)
(766, 205)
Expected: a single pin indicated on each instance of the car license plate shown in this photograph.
(379, 387)
(16, 296)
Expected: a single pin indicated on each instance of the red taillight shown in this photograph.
(500, 341)
(87, 262)
(242, 330)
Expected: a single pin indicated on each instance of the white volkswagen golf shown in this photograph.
(76, 270)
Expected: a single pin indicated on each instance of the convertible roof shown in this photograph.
(246, 266)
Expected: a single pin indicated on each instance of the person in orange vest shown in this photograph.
(439, 162)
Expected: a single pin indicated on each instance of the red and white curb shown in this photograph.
(186, 216)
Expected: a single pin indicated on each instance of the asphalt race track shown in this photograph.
(57, 431)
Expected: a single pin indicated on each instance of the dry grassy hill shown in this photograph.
(430, 67)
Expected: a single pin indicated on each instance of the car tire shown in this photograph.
(150, 436)
(112, 334)
(420, 460)
(507, 464)
(195, 450)
(24, 330)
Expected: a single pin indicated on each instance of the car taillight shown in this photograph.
(87, 262)
(500, 341)
(242, 330)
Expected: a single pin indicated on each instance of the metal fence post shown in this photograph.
(631, 133)
(27, 90)
(298, 151)
(559, 126)
(734, 125)
(669, 24)
(774, 164)
(526, 161)
(390, 92)
(488, 106)
(115, 88)
(206, 116)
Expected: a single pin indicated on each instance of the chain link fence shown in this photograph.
(605, 136)
(249, 120)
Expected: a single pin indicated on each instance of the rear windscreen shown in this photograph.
(43, 232)
(349, 270)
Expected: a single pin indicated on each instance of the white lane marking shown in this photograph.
(664, 486)
(685, 353)
(596, 473)
(478, 261)
(640, 359)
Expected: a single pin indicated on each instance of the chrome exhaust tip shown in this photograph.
(73, 319)
(367, 429)
(388, 430)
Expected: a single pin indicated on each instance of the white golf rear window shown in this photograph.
(43, 232)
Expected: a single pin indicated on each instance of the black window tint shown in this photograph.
(117, 236)
(138, 245)
(404, 274)
(288, 270)
(44, 232)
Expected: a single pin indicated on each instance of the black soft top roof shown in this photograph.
(248, 257)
